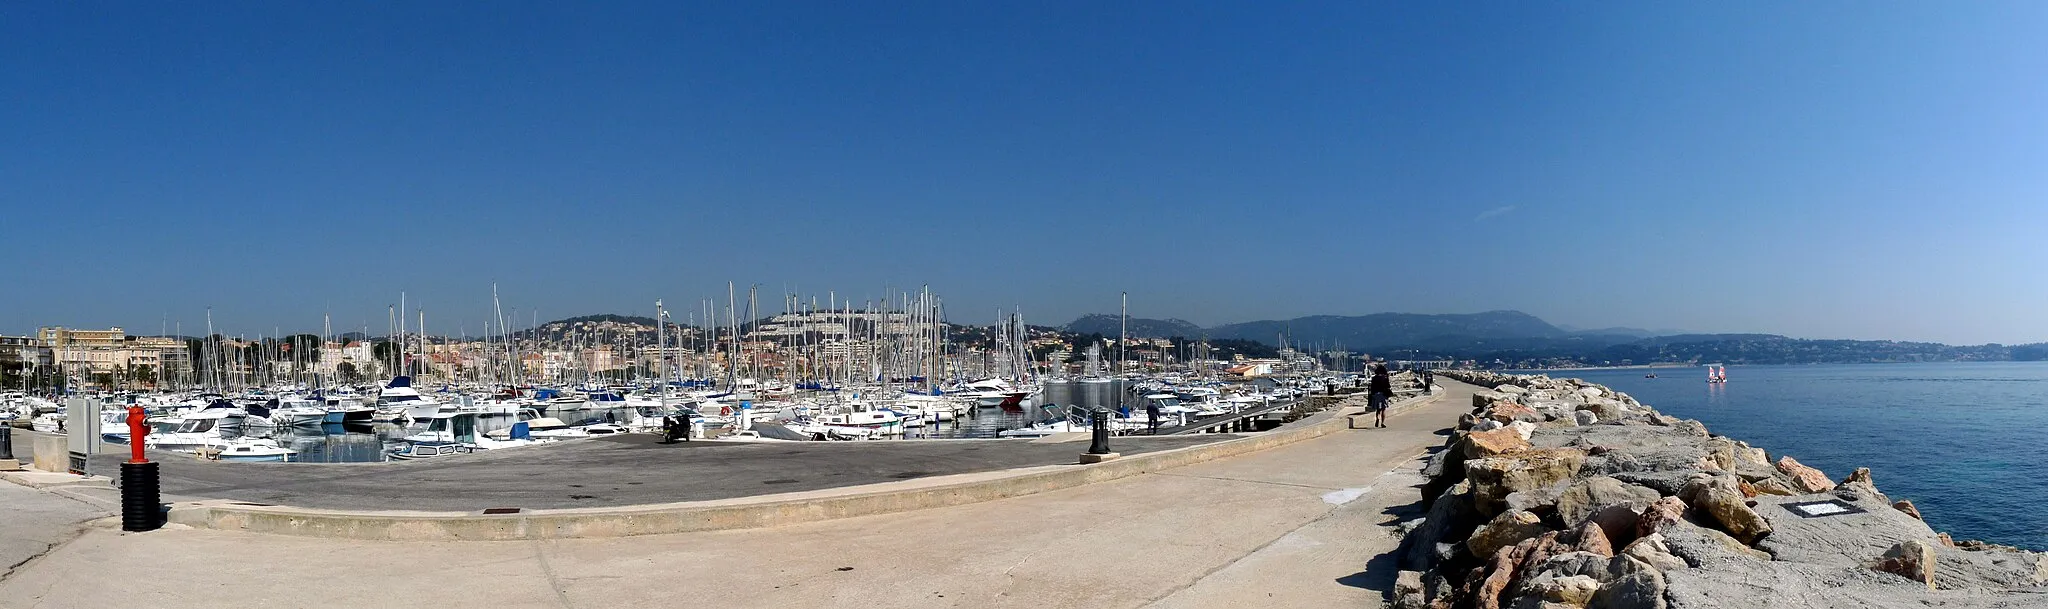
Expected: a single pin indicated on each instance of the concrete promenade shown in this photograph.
(1296, 525)
(623, 470)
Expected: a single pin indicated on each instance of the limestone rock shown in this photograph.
(1541, 500)
(1998, 569)
(1408, 590)
(1572, 563)
(1906, 505)
(1641, 586)
(1804, 479)
(1494, 442)
(1466, 421)
(1592, 392)
(1511, 390)
(1773, 486)
(1523, 429)
(1507, 529)
(1860, 476)
(1486, 425)
(1912, 559)
(1585, 417)
(1586, 496)
(1701, 546)
(1493, 478)
(1651, 550)
(1845, 540)
(1731, 511)
(1576, 590)
(1510, 412)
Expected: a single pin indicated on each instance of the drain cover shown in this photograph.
(501, 510)
(1822, 509)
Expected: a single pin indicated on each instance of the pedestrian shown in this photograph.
(1152, 415)
(1381, 392)
(1428, 381)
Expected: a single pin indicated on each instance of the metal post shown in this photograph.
(6, 442)
(1100, 446)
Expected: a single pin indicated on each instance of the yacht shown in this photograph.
(198, 430)
(399, 397)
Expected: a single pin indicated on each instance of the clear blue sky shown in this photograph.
(1845, 170)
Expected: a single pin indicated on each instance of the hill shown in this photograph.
(1108, 325)
(1383, 331)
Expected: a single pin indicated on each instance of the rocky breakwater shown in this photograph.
(1557, 493)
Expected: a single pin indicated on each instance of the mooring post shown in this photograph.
(1098, 449)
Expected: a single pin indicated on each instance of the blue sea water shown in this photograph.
(1964, 441)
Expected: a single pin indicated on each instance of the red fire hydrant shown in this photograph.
(138, 428)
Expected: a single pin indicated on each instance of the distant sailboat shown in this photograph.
(1717, 374)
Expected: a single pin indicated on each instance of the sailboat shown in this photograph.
(1717, 374)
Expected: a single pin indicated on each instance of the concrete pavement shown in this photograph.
(631, 469)
(34, 521)
(1297, 525)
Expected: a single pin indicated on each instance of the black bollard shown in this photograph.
(1101, 444)
(141, 498)
(6, 442)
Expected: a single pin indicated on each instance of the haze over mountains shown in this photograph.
(1520, 339)
(1366, 332)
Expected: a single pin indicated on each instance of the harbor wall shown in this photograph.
(1556, 493)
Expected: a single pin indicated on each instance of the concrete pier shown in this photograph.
(1287, 524)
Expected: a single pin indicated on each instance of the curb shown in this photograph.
(738, 513)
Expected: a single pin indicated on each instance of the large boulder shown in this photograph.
(1493, 478)
(1572, 591)
(1636, 585)
(1510, 412)
(1607, 410)
(1492, 443)
(1507, 529)
(1731, 512)
(1542, 501)
(1585, 417)
(1408, 590)
(1912, 559)
(1651, 550)
(1451, 518)
(1586, 496)
(1804, 479)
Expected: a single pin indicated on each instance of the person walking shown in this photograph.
(1152, 415)
(1428, 381)
(1380, 392)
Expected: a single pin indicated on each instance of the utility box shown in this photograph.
(82, 428)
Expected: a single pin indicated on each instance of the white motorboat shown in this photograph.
(297, 411)
(400, 395)
(431, 436)
(198, 430)
(251, 450)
